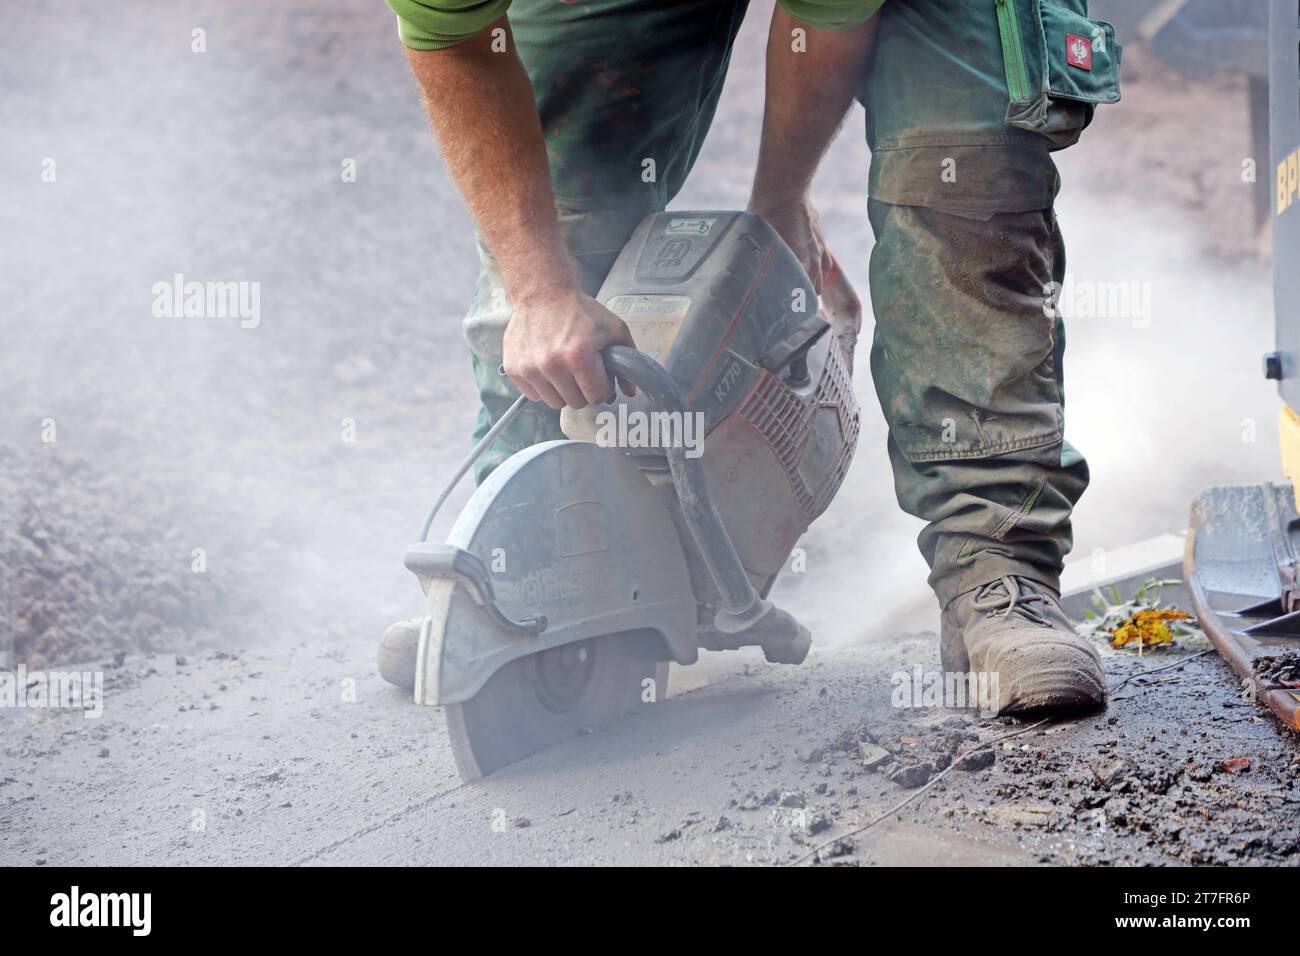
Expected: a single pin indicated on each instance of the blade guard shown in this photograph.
(563, 542)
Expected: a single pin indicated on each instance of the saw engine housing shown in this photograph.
(721, 302)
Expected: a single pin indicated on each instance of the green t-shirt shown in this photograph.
(434, 24)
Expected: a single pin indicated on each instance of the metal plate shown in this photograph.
(1240, 564)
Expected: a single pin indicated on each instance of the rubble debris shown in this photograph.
(1236, 765)
(92, 569)
(912, 775)
(1281, 670)
(814, 755)
(1024, 815)
(872, 755)
(980, 759)
(752, 801)
(1111, 771)
(819, 823)
(1118, 812)
(840, 848)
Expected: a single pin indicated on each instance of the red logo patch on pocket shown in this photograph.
(1078, 52)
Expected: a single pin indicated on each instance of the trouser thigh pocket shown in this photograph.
(1060, 65)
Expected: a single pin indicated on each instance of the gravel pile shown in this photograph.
(91, 568)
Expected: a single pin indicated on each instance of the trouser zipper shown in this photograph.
(1013, 52)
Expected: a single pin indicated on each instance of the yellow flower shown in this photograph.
(1147, 628)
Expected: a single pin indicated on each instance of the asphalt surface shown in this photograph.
(243, 719)
(304, 756)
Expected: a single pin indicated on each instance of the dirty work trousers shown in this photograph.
(965, 100)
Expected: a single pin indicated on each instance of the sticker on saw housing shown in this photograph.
(689, 227)
(654, 320)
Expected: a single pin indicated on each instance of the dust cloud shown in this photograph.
(293, 460)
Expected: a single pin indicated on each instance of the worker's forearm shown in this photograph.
(481, 105)
(809, 92)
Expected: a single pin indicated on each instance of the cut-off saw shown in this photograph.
(580, 568)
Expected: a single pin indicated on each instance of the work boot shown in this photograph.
(1014, 627)
(397, 652)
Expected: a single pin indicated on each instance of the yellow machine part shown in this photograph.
(1288, 427)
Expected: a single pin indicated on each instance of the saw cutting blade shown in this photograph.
(537, 701)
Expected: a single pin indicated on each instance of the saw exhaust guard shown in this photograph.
(577, 569)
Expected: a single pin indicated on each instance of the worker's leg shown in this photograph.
(626, 90)
(967, 365)
(963, 112)
(964, 106)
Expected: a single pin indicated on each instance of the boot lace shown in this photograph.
(1010, 595)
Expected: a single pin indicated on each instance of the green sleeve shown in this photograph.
(434, 24)
(831, 14)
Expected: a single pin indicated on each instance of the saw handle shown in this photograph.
(740, 600)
